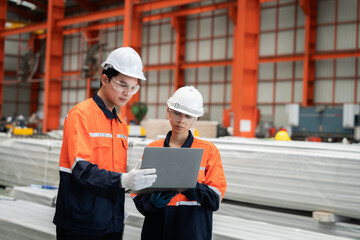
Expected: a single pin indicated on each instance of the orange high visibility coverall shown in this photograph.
(93, 155)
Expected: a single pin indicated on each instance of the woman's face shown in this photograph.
(180, 122)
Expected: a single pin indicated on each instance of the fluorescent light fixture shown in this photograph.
(25, 4)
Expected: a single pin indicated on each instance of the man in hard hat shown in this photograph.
(93, 158)
(186, 215)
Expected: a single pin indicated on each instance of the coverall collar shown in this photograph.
(101, 104)
(187, 143)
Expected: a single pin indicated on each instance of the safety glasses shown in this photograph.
(122, 86)
(177, 116)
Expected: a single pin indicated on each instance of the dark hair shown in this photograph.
(110, 73)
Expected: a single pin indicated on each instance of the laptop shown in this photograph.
(177, 169)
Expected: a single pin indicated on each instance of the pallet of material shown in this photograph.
(29, 161)
(296, 175)
(38, 195)
(233, 222)
(25, 220)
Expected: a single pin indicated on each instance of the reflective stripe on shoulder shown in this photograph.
(76, 161)
(109, 135)
(121, 136)
(215, 190)
(188, 203)
(63, 169)
(202, 168)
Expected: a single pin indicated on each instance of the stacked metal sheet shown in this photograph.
(246, 223)
(25, 220)
(29, 161)
(295, 175)
(35, 194)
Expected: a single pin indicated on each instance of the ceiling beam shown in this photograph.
(90, 6)
(24, 13)
(39, 5)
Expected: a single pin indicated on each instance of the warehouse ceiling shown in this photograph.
(34, 11)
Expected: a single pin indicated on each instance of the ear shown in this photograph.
(104, 79)
(167, 113)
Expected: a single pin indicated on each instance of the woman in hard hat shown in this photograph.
(93, 158)
(186, 215)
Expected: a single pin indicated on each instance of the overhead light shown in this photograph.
(25, 4)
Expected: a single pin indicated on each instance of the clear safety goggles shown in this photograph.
(178, 116)
(121, 87)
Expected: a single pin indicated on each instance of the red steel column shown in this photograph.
(310, 9)
(132, 37)
(179, 24)
(245, 68)
(3, 5)
(53, 66)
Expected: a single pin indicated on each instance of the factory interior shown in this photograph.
(280, 81)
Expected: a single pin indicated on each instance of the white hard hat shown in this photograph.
(126, 61)
(187, 100)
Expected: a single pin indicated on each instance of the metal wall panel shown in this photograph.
(267, 43)
(344, 91)
(323, 68)
(268, 19)
(285, 43)
(286, 16)
(345, 67)
(265, 92)
(346, 36)
(348, 11)
(326, 11)
(266, 71)
(325, 38)
(323, 91)
(283, 92)
(266, 110)
(300, 36)
(284, 70)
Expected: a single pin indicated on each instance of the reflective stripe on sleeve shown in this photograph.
(188, 203)
(202, 168)
(215, 190)
(121, 136)
(76, 161)
(63, 169)
(109, 135)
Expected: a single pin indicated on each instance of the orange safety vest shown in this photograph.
(90, 136)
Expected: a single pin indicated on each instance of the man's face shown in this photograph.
(120, 89)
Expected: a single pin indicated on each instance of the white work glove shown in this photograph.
(138, 178)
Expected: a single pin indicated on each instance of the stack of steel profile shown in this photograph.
(297, 175)
(25, 220)
(29, 161)
(35, 194)
(233, 222)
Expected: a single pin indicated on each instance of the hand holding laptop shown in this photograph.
(137, 178)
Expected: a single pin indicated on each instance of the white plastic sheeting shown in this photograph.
(297, 175)
(21, 220)
(229, 224)
(29, 161)
(45, 197)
